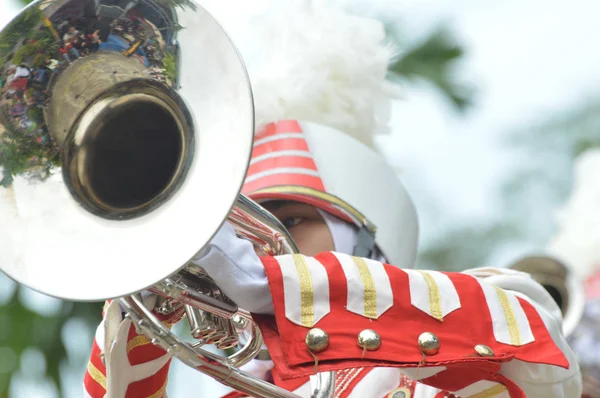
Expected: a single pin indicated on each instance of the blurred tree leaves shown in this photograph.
(545, 152)
(21, 328)
(465, 246)
(434, 60)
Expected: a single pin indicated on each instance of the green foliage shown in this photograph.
(545, 153)
(432, 60)
(170, 66)
(14, 32)
(465, 246)
(26, 153)
(39, 43)
(21, 328)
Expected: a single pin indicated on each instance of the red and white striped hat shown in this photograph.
(323, 167)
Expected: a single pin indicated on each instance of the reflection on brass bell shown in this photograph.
(484, 351)
(369, 340)
(429, 344)
(317, 340)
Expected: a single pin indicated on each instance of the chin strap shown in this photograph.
(365, 243)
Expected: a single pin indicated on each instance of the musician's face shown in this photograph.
(305, 224)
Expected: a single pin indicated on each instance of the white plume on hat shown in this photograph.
(578, 239)
(309, 62)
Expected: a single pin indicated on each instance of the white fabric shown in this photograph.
(482, 387)
(233, 263)
(292, 285)
(500, 320)
(22, 72)
(258, 368)
(119, 372)
(423, 391)
(420, 292)
(344, 235)
(384, 296)
(238, 271)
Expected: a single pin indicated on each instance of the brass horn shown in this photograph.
(124, 143)
(565, 287)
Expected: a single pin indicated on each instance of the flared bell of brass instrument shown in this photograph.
(125, 134)
(561, 282)
(126, 128)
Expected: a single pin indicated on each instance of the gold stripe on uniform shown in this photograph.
(511, 320)
(161, 392)
(137, 341)
(96, 375)
(306, 291)
(435, 305)
(490, 392)
(370, 296)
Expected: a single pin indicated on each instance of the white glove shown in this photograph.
(237, 270)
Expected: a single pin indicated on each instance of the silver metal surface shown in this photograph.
(561, 282)
(369, 340)
(55, 114)
(429, 343)
(125, 136)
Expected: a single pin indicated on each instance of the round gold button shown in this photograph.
(402, 392)
(484, 351)
(316, 340)
(369, 340)
(429, 344)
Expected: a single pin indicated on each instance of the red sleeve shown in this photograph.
(343, 296)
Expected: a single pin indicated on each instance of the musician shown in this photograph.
(351, 302)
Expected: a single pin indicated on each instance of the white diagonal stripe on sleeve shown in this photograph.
(422, 372)
(385, 294)
(99, 336)
(282, 170)
(425, 391)
(320, 282)
(433, 293)
(509, 321)
(280, 154)
(277, 137)
(484, 388)
(369, 290)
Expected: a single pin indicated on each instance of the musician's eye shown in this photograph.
(291, 222)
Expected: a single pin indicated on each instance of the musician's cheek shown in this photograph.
(312, 237)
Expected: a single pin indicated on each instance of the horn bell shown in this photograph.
(561, 282)
(124, 142)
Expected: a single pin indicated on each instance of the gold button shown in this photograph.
(429, 344)
(484, 351)
(317, 340)
(369, 340)
(402, 392)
